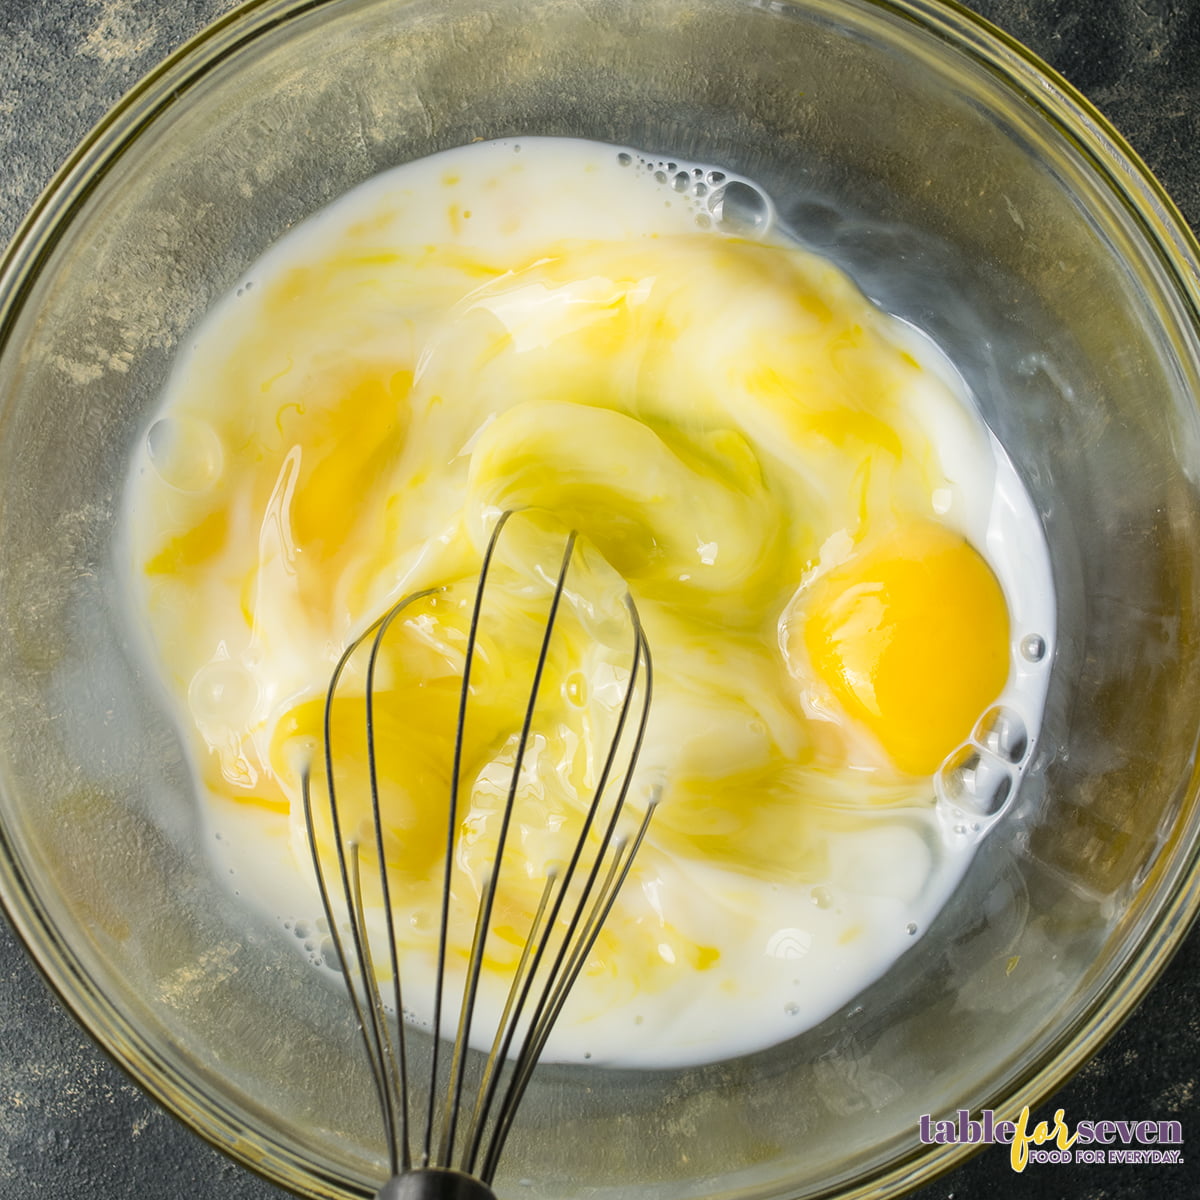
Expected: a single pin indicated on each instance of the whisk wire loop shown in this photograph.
(452, 824)
(467, 1012)
(545, 1011)
(396, 1057)
(387, 1062)
(554, 952)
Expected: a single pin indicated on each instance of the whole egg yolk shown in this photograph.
(912, 638)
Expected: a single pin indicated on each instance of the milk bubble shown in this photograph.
(185, 453)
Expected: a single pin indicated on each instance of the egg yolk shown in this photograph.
(911, 637)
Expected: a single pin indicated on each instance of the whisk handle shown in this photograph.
(435, 1183)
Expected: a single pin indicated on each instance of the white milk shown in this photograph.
(632, 342)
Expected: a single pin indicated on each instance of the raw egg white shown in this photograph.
(843, 584)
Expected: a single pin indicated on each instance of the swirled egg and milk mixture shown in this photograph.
(843, 584)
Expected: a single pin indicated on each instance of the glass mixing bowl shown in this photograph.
(966, 191)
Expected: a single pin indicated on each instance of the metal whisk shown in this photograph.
(450, 1150)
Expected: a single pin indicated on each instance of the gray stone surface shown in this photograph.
(71, 1124)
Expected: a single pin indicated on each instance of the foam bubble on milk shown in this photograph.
(887, 885)
(732, 203)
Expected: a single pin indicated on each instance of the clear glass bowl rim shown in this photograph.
(1067, 112)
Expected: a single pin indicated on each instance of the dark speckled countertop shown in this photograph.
(71, 1124)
